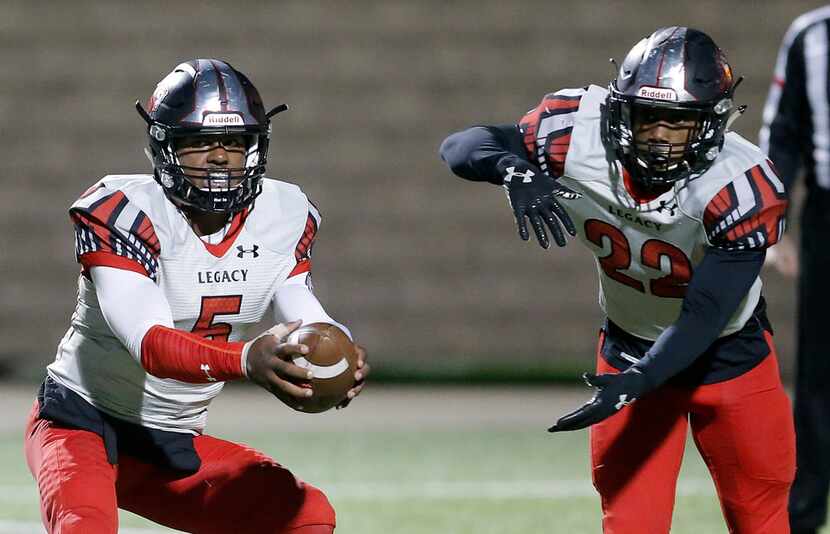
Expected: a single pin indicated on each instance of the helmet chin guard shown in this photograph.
(676, 76)
(207, 98)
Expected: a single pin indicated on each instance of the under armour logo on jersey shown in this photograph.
(623, 401)
(525, 176)
(665, 206)
(242, 251)
(206, 369)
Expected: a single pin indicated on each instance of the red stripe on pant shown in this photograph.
(237, 489)
(743, 429)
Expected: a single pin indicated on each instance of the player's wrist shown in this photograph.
(243, 359)
(253, 350)
(638, 381)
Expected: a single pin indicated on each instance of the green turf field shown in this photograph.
(416, 461)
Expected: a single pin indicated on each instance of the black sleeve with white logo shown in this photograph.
(474, 153)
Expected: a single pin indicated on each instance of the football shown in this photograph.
(332, 359)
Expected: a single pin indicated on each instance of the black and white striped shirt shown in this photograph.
(796, 120)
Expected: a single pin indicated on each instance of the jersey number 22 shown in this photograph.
(673, 285)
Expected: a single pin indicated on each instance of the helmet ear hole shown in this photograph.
(158, 133)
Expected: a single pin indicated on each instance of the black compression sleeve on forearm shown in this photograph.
(474, 153)
(719, 284)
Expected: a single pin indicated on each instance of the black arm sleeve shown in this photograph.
(719, 284)
(474, 153)
(790, 126)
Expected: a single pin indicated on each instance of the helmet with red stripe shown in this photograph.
(678, 78)
(207, 98)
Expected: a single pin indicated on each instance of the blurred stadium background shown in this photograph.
(426, 269)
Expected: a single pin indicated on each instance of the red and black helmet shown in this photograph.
(207, 97)
(676, 73)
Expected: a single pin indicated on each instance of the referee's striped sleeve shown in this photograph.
(796, 117)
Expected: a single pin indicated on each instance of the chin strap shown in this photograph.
(143, 113)
(734, 116)
(740, 109)
(278, 109)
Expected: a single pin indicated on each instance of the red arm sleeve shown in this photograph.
(170, 353)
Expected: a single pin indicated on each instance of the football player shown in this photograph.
(176, 267)
(678, 212)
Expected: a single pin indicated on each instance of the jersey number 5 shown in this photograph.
(673, 285)
(211, 307)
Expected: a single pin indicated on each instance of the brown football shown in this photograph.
(332, 359)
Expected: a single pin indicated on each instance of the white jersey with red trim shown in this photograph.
(647, 249)
(218, 291)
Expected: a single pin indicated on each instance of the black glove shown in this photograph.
(533, 194)
(613, 392)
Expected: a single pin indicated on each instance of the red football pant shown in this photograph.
(742, 427)
(237, 489)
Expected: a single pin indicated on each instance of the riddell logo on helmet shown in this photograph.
(223, 119)
(657, 93)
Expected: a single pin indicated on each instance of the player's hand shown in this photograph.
(269, 363)
(534, 195)
(783, 256)
(360, 374)
(613, 392)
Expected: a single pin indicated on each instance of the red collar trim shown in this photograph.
(637, 192)
(219, 249)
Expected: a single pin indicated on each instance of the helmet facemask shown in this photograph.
(212, 188)
(655, 162)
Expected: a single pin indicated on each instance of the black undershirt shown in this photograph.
(66, 408)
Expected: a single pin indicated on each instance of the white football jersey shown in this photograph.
(646, 249)
(219, 291)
